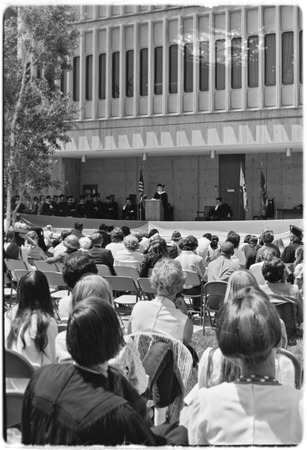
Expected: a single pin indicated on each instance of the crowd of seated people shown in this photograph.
(97, 368)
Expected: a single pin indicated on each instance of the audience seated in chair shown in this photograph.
(103, 408)
(246, 411)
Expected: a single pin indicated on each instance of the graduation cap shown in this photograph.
(298, 232)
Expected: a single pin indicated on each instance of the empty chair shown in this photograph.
(103, 270)
(13, 264)
(127, 285)
(147, 291)
(214, 292)
(126, 271)
(19, 273)
(43, 266)
(256, 270)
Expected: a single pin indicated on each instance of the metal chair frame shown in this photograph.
(193, 279)
(217, 290)
(147, 291)
(128, 285)
(127, 271)
(103, 270)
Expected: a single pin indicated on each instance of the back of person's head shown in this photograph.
(117, 235)
(94, 333)
(92, 285)
(227, 248)
(247, 238)
(238, 280)
(267, 253)
(248, 326)
(158, 245)
(64, 234)
(152, 232)
(33, 235)
(208, 236)
(253, 239)
(33, 293)
(103, 227)
(78, 226)
(125, 230)
(214, 237)
(167, 277)
(77, 265)
(97, 239)
(273, 269)
(233, 237)
(85, 243)
(267, 236)
(176, 236)
(189, 243)
(131, 242)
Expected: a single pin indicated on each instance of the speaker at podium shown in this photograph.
(154, 210)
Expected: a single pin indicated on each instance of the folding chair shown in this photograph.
(194, 280)
(127, 271)
(255, 269)
(43, 266)
(15, 264)
(18, 370)
(214, 293)
(59, 266)
(56, 285)
(13, 406)
(147, 291)
(298, 372)
(19, 273)
(103, 270)
(127, 285)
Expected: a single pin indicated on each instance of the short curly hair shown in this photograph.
(273, 269)
(77, 265)
(131, 242)
(117, 235)
(189, 243)
(167, 277)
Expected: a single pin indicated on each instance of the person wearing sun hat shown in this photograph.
(71, 243)
(296, 241)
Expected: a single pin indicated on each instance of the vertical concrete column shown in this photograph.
(122, 65)
(196, 63)
(296, 41)
(136, 70)
(278, 56)
(244, 62)
(150, 67)
(108, 72)
(180, 66)
(211, 61)
(261, 58)
(165, 66)
(82, 75)
(227, 61)
(95, 72)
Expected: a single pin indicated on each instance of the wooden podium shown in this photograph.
(153, 209)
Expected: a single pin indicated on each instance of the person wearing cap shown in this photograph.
(222, 267)
(82, 208)
(129, 210)
(47, 207)
(71, 206)
(222, 211)
(62, 206)
(160, 194)
(72, 245)
(296, 241)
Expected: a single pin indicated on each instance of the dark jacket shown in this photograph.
(102, 256)
(67, 405)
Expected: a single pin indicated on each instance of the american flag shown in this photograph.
(263, 192)
(243, 189)
(141, 183)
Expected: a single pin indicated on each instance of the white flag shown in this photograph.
(243, 188)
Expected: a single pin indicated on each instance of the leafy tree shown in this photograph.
(39, 42)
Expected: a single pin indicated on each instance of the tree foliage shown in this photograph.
(38, 46)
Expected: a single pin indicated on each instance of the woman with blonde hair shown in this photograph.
(127, 360)
(238, 280)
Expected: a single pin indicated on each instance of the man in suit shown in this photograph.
(99, 254)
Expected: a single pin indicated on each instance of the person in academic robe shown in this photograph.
(160, 194)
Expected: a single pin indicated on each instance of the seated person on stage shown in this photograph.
(87, 402)
(222, 211)
(192, 262)
(286, 296)
(130, 256)
(254, 409)
(75, 266)
(127, 360)
(129, 210)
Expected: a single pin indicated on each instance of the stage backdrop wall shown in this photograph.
(281, 228)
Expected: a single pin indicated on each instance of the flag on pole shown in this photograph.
(263, 193)
(243, 189)
(141, 183)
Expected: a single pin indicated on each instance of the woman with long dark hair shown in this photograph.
(30, 327)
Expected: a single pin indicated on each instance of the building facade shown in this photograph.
(188, 95)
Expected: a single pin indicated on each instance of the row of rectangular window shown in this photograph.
(287, 63)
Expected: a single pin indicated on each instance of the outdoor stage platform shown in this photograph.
(281, 228)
